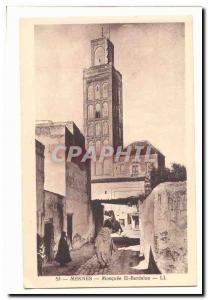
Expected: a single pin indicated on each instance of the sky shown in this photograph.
(151, 59)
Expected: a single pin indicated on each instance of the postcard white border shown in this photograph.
(13, 130)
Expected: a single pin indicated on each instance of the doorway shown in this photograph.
(135, 221)
(69, 226)
(48, 238)
(98, 215)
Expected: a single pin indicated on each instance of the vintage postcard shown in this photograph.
(108, 151)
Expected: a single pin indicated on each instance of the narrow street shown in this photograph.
(79, 257)
(121, 263)
(84, 261)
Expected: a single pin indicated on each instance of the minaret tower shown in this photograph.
(103, 109)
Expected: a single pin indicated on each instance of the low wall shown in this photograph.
(163, 216)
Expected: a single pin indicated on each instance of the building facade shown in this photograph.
(67, 183)
(113, 181)
(103, 108)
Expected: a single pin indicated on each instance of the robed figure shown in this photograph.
(63, 254)
(104, 246)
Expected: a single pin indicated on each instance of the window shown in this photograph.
(105, 109)
(135, 170)
(135, 222)
(105, 128)
(90, 112)
(99, 56)
(98, 147)
(90, 92)
(105, 90)
(97, 111)
(90, 130)
(97, 92)
(97, 129)
(128, 219)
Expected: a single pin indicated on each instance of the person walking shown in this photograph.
(63, 254)
(104, 245)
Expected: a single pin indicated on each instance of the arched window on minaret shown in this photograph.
(105, 128)
(90, 92)
(105, 109)
(97, 129)
(105, 90)
(90, 130)
(90, 112)
(99, 56)
(98, 147)
(97, 92)
(97, 111)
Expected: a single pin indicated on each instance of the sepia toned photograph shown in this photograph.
(109, 136)
(122, 210)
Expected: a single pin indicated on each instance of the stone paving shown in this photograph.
(79, 258)
(84, 262)
(91, 267)
(121, 263)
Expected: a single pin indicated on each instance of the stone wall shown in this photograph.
(163, 216)
(39, 151)
(68, 178)
(78, 204)
(52, 136)
(54, 214)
